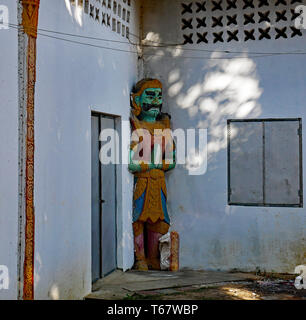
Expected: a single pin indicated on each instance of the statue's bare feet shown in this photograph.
(141, 265)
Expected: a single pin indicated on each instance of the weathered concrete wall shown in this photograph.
(203, 91)
(72, 81)
(9, 151)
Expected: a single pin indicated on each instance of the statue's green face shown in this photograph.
(151, 102)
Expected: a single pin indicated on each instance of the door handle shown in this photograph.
(102, 201)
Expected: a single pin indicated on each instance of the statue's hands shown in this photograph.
(159, 166)
(151, 166)
(155, 166)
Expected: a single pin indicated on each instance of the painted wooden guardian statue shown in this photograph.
(149, 160)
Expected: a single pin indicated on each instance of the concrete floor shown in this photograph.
(120, 285)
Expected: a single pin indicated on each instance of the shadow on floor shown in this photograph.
(126, 285)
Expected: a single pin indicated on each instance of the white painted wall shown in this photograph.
(72, 81)
(9, 151)
(203, 93)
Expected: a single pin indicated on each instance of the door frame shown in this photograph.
(117, 127)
